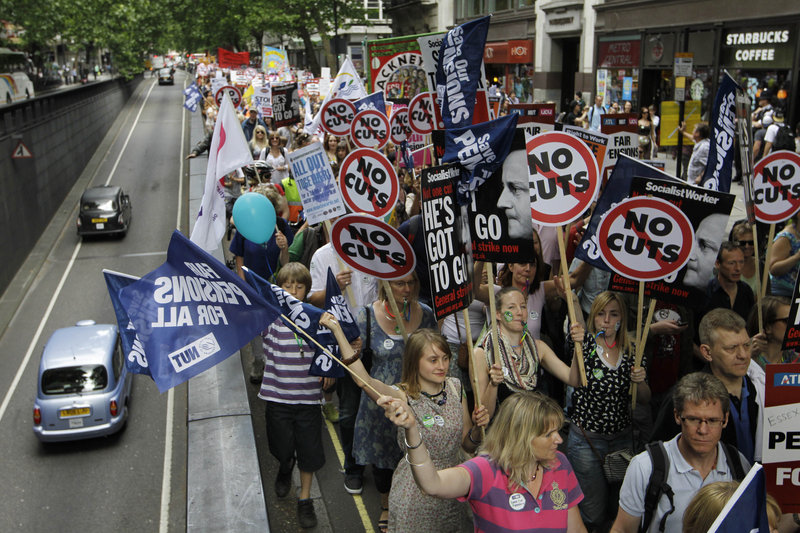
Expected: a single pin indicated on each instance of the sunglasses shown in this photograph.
(745, 243)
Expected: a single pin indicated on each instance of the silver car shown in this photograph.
(83, 386)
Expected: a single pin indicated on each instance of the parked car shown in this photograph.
(165, 76)
(105, 209)
(84, 387)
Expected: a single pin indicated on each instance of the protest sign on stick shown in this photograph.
(316, 183)
(285, 104)
(370, 129)
(447, 259)
(368, 182)
(337, 115)
(781, 453)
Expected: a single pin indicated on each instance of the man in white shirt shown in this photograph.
(699, 159)
(594, 113)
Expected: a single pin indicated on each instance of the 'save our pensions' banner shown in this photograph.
(135, 359)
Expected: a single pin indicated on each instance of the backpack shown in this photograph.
(784, 139)
(658, 486)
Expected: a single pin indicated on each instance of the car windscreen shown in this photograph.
(74, 379)
(106, 204)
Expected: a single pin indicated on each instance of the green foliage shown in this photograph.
(134, 28)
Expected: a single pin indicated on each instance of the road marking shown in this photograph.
(180, 162)
(362, 511)
(25, 360)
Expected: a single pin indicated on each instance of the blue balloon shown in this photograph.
(254, 216)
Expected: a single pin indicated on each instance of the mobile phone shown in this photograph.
(682, 323)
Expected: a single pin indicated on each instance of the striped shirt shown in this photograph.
(288, 359)
(496, 509)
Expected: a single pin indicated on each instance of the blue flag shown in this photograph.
(405, 153)
(723, 134)
(373, 101)
(747, 509)
(617, 189)
(480, 149)
(458, 71)
(192, 313)
(132, 346)
(336, 305)
(192, 97)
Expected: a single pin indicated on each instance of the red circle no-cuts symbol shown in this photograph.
(233, 92)
(370, 129)
(337, 115)
(563, 177)
(373, 247)
(399, 130)
(645, 239)
(421, 117)
(776, 186)
(369, 183)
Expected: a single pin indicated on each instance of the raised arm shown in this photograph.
(488, 380)
(354, 363)
(448, 483)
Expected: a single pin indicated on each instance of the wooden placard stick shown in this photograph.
(639, 314)
(570, 304)
(472, 362)
(640, 348)
(763, 288)
(493, 312)
(759, 310)
(305, 334)
(398, 318)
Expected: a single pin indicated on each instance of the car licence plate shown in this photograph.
(76, 411)
(96, 220)
(99, 226)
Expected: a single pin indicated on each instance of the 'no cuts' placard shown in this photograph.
(337, 115)
(399, 130)
(776, 187)
(645, 238)
(444, 244)
(563, 177)
(369, 183)
(370, 129)
(421, 114)
(372, 247)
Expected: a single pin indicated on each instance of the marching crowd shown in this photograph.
(515, 442)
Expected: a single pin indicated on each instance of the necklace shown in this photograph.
(609, 346)
(535, 472)
(442, 393)
(406, 313)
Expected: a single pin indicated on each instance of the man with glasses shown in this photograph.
(695, 457)
(725, 346)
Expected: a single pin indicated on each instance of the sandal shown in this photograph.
(383, 523)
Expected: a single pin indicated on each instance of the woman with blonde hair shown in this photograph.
(709, 501)
(258, 144)
(601, 411)
(443, 422)
(518, 482)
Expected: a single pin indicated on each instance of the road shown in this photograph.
(109, 484)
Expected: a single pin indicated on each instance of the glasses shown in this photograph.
(695, 422)
(745, 243)
(401, 284)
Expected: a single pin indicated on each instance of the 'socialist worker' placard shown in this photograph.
(450, 285)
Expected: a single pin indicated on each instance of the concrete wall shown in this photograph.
(62, 131)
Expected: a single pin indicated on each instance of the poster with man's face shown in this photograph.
(500, 211)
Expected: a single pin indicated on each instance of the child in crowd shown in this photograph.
(294, 417)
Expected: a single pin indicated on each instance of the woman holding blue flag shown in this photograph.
(442, 420)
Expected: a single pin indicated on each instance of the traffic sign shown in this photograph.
(337, 115)
(21, 152)
(644, 238)
(233, 92)
(370, 129)
(369, 183)
(421, 116)
(563, 177)
(399, 129)
(776, 186)
(372, 247)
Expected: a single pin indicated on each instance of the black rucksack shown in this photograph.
(658, 486)
(784, 139)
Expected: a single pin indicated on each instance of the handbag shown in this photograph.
(615, 463)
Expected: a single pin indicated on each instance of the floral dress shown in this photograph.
(374, 437)
(441, 428)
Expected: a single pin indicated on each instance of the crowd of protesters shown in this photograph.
(538, 442)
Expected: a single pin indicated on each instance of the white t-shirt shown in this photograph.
(364, 288)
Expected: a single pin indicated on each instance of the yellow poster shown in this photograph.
(669, 121)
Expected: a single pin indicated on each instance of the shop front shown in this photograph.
(509, 65)
(618, 66)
